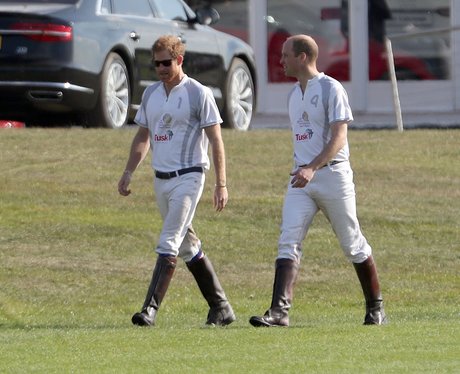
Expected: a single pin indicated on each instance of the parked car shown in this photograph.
(88, 62)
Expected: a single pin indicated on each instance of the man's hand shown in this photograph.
(220, 197)
(124, 182)
(302, 176)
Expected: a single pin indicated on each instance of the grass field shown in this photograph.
(76, 259)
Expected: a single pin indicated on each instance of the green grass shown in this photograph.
(76, 259)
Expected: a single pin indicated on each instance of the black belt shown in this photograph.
(172, 174)
(333, 162)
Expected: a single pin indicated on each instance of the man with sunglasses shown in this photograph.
(177, 119)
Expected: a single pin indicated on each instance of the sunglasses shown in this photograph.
(165, 63)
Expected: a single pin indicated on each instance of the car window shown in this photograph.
(53, 1)
(171, 9)
(105, 7)
(132, 8)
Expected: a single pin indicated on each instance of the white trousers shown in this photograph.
(333, 192)
(177, 199)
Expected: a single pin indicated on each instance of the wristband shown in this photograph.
(220, 185)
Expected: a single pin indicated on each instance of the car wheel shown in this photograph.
(115, 94)
(239, 97)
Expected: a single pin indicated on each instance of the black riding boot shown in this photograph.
(367, 275)
(220, 312)
(283, 288)
(161, 277)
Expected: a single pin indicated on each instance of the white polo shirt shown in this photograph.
(176, 124)
(312, 114)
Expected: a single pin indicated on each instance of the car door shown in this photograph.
(203, 60)
(136, 18)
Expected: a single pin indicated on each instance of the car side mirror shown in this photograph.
(207, 16)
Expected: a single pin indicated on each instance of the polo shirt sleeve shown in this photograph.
(141, 115)
(339, 107)
(209, 113)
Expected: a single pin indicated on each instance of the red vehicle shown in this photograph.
(11, 124)
(406, 66)
(336, 61)
(328, 25)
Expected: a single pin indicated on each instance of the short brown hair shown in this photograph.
(305, 44)
(169, 43)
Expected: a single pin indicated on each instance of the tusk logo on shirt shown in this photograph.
(163, 138)
(307, 135)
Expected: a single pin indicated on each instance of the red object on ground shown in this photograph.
(4, 124)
